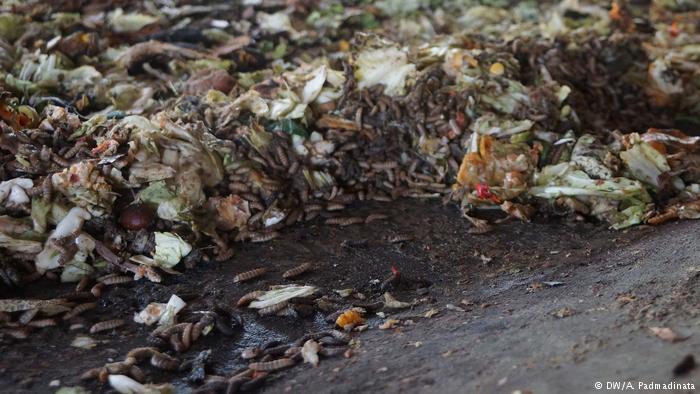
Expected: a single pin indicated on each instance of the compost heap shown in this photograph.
(138, 136)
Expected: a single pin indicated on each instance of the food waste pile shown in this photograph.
(139, 139)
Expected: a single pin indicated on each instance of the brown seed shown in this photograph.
(106, 325)
(164, 361)
(296, 271)
(272, 365)
(136, 217)
(248, 275)
(247, 298)
(79, 309)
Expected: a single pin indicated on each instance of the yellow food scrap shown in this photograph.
(350, 317)
(497, 69)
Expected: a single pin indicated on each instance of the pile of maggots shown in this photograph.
(167, 345)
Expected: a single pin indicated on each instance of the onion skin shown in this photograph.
(136, 217)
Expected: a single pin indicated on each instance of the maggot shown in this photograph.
(277, 350)
(332, 351)
(202, 327)
(388, 165)
(287, 312)
(78, 295)
(272, 309)
(106, 325)
(292, 350)
(83, 284)
(187, 335)
(335, 207)
(41, 323)
(97, 289)
(163, 361)
(174, 329)
(234, 384)
(141, 353)
(296, 271)
(27, 315)
(264, 237)
(250, 353)
(400, 238)
(47, 188)
(117, 280)
(237, 187)
(375, 216)
(248, 275)
(343, 336)
(93, 373)
(272, 365)
(345, 221)
(177, 344)
(247, 298)
(282, 156)
(79, 309)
